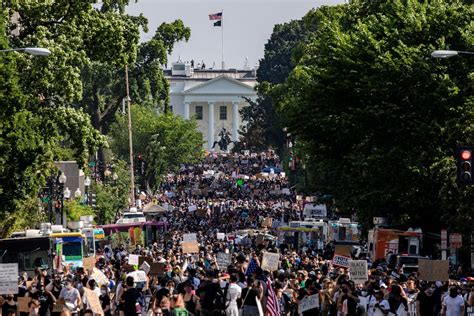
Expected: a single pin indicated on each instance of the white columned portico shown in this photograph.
(235, 121)
(210, 132)
(186, 109)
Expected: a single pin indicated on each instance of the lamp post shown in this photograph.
(62, 180)
(77, 193)
(35, 51)
(87, 183)
(449, 53)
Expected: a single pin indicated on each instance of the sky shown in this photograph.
(248, 25)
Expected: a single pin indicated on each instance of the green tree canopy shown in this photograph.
(378, 117)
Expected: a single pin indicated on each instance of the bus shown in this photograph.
(70, 249)
(94, 236)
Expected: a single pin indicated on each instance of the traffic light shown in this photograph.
(464, 156)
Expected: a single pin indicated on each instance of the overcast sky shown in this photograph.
(248, 25)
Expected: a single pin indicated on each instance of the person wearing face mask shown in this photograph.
(104, 299)
(71, 295)
(424, 300)
(92, 285)
(377, 306)
(44, 298)
(190, 299)
(453, 304)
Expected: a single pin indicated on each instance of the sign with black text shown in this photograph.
(358, 271)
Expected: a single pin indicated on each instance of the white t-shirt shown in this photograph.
(374, 311)
(453, 305)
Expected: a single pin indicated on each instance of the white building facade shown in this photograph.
(213, 97)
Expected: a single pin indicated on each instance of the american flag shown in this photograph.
(215, 16)
(273, 308)
(251, 268)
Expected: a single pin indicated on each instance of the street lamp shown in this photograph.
(67, 193)
(35, 51)
(449, 53)
(77, 193)
(87, 183)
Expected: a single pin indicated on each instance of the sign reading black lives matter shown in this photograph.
(358, 270)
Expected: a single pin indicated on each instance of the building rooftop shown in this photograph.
(206, 74)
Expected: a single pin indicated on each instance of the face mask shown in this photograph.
(364, 293)
(453, 293)
(103, 292)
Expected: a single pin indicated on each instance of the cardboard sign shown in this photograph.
(145, 267)
(270, 261)
(23, 304)
(267, 222)
(189, 237)
(59, 307)
(224, 260)
(190, 247)
(157, 269)
(88, 263)
(9, 278)
(146, 259)
(133, 260)
(93, 301)
(308, 302)
(433, 270)
(358, 271)
(341, 261)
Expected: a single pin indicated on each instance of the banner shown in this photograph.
(358, 271)
(9, 278)
(270, 261)
(341, 261)
(312, 210)
(308, 302)
(433, 270)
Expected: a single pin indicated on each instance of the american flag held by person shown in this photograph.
(252, 267)
(273, 308)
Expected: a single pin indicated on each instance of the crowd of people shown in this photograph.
(227, 194)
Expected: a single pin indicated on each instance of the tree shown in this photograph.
(380, 118)
(165, 141)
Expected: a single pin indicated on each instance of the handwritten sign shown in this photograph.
(23, 304)
(358, 271)
(93, 301)
(9, 278)
(270, 261)
(341, 261)
(433, 270)
(220, 236)
(224, 260)
(88, 263)
(133, 260)
(157, 269)
(192, 208)
(190, 247)
(189, 237)
(99, 277)
(145, 267)
(308, 302)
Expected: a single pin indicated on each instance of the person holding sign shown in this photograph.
(308, 290)
(377, 306)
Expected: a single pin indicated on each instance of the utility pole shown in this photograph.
(130, 143)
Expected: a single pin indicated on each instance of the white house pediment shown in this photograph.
(221, 85)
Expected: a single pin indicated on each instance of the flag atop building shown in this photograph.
(215, 16)
(218, 23)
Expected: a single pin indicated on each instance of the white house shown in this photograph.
(213, 97)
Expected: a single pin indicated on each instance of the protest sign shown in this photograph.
(9, 278)
(133, 259)
(189, 237)
(433, 270)
(285, 191)
(312, 210)
(220, 236)
(190, 247)
(192, 208)
(99, 277)
(22, 303)
(358, 271)
(267, 222)
(157, 269)
(59, 306)
(93, 301)
(223, 260)
(146, 259)
(341, 261)
(270, 261)
(308, 302)
(145, 267)
(88, 263)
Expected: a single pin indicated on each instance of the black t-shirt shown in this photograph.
(104, 302)
(161, 293)
(207, 294)
(251, 298)
(427, 304)
(45, 301)
(351, 305)
(7, 307)
(130, 296)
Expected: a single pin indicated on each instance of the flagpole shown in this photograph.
(222, 40)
